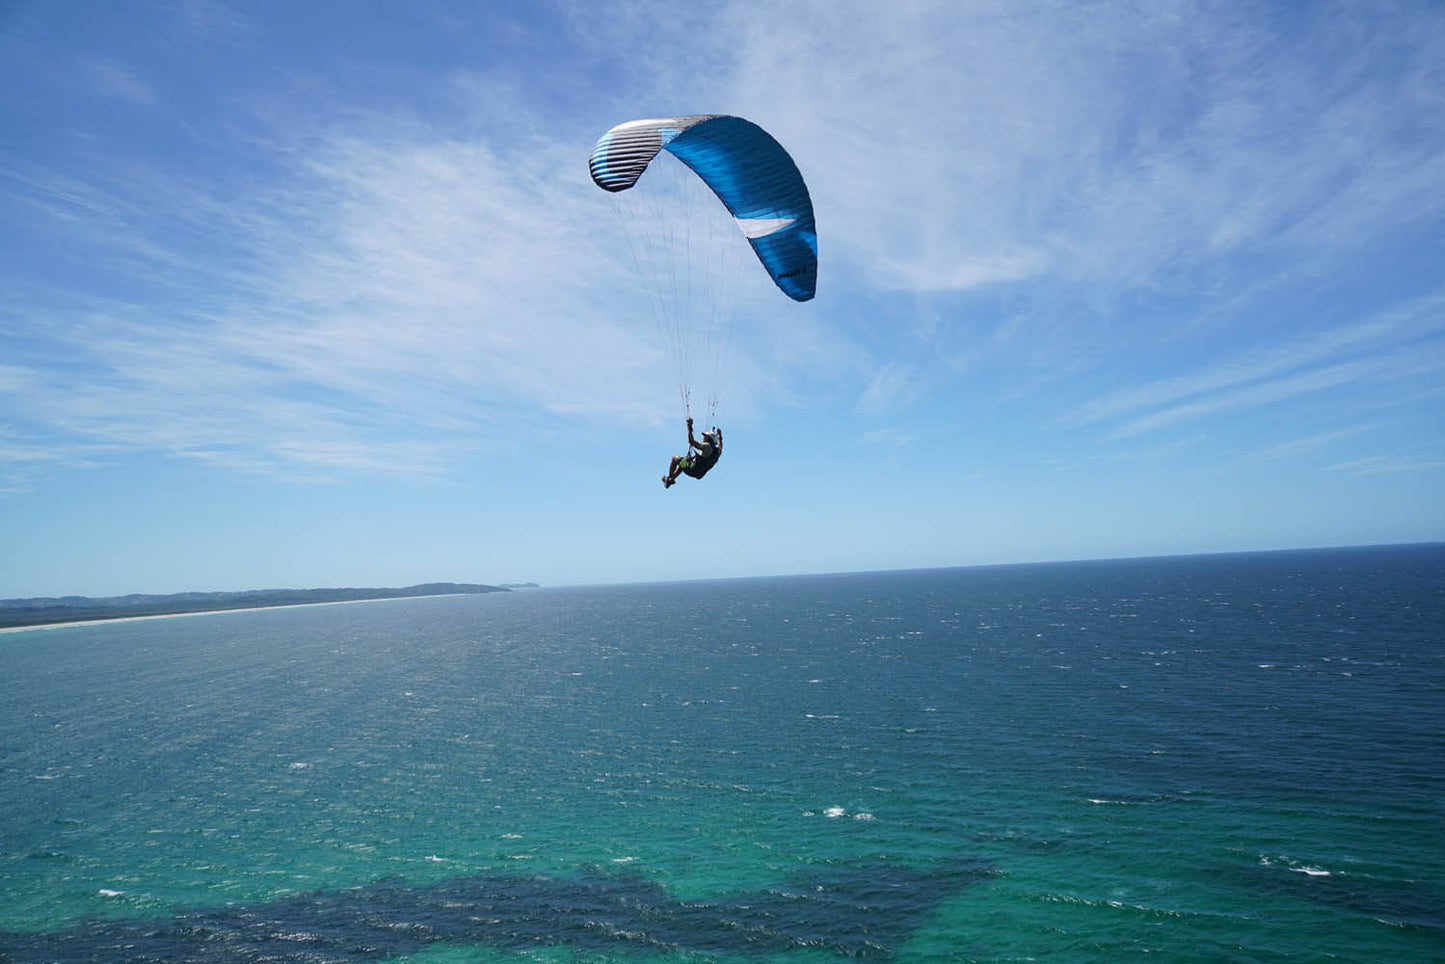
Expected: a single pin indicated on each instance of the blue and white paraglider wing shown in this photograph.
(745, 167)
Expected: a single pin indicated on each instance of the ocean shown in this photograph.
(1216, 758)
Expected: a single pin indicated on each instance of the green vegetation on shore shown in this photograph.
(73, 609)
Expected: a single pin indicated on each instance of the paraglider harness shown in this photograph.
(696, 466)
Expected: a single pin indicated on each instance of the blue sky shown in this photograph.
(321, 294)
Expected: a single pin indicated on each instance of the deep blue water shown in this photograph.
(1224, 758)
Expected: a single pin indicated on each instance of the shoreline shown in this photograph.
(71, 623)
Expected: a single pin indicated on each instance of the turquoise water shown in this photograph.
(1229, 758)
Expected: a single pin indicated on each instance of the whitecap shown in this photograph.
(832, 812)
(1311, 871)
(862, 816)
(106, 892)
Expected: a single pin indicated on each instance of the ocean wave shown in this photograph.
(1295, 866)
(1149, 910)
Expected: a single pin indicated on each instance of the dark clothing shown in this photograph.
(697, 465)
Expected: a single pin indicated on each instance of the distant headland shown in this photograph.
(76, 609)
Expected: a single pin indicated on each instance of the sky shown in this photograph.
(321, 294)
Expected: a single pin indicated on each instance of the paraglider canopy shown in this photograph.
(746, 169)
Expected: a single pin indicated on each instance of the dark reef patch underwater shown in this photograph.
(863, 912)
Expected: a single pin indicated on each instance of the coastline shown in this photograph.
(71, 623)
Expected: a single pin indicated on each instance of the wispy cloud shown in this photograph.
(1385, 464)
(1280, 389)
(1312, 443)
(396, 282)
(1047, 170)
(110, 79)
(24, 459)
(891, 386)
(1398, 343)
(1271, 361)
(969, 145)
(213, 22)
